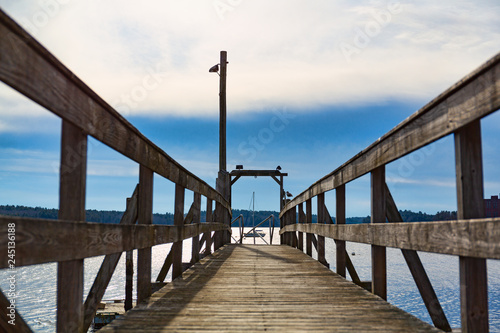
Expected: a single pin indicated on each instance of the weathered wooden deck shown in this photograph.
(264, 288)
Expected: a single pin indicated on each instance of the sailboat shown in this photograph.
(253, 232)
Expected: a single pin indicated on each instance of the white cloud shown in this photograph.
(279, 52)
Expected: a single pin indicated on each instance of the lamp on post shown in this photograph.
(223, 182)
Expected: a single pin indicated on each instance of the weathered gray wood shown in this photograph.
(302, 218)
(321, 220)
(284, 291)
(129, 280)
(418, 272)
(108, 267)
(473, 97)
(17, 323)
(73, 173)
(38, 75)
(41, 241)
(309, 237)
(473, 238)
(166, 267)
(341, 252)
(293, 220)
(378, 209)
(258, 173)
(208, 236)
(178, 221)
(473, 275)
(144, 217)
(195, 247)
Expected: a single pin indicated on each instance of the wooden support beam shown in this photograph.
(341, 252)
(166, 267)
(145, 217)
(302, 216)
(379, 263)
(108, 267)
(309, 237)
(40, 241)
(208, 236)
(478, 238)
(73, 173)
(293, 220)
(178, 221)
(10, 320)
(473, 275)
(418, 272)
(195, 247)
(129, 280)
(321, 220)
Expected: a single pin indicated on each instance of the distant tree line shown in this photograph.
(113, 216)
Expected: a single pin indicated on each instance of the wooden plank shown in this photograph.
(478, 238)
(321, 220)
(72, 181)
(208, 236)
(38, 75)
(166, 267)
(475, 96)
(257, 173)
(41, 241)
(144, 217)
(418, 272)
(108, 267)
(473, 275)
(341, 252)
(308, 298)
(195, 247)
(293, 220)
(10, 320)
(178, 221)
(129, 280)
(379, 262)
(309, 237)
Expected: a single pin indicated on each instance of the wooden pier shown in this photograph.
(251, 288)
(256, 288)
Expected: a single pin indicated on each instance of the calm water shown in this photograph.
(36, 285)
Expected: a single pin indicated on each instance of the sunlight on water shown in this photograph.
(36, 285)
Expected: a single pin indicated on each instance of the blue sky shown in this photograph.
(310, 84)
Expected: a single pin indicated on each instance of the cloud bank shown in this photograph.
(153, 58)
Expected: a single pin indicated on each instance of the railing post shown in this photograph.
(321, 219)
(73, 173)
(178, 221)
(340, 219)
(293, 220)
(208, 235)
(473, 277)
(144, 216)
(379, 263)
(301, 234)
(309, 220)
(195, 256)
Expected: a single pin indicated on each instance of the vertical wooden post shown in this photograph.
(293, 220)
(208, 235)
(195, 256)
(72, 178)
(473, 277)
(144, 216)
(340, 219)
(309, 220)
(282, 204)
(222, 111)
(378, 208)
(178, 221)
(321, 219)
(129, 279)
(301, 220)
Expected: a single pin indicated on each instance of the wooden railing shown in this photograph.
(457, 111)
(29, 68)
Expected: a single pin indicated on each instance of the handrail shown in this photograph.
(31, 69)
(475, 96)
(41, 241)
